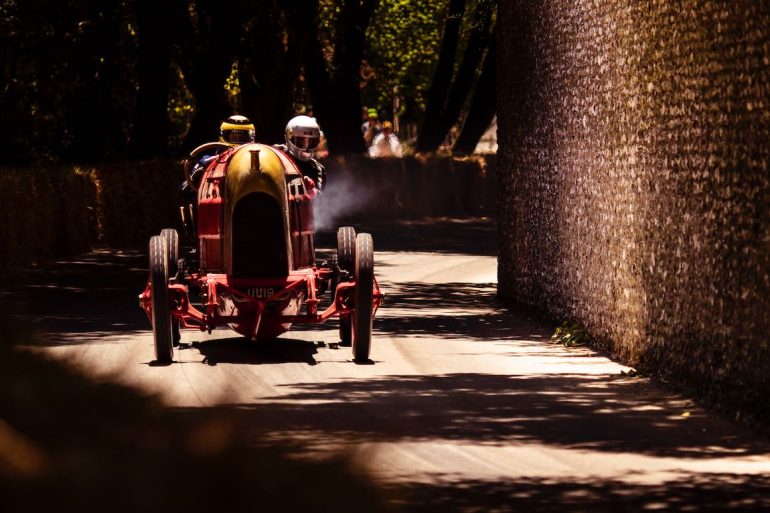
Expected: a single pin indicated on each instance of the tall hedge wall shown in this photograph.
(44, 213)
(634, 142)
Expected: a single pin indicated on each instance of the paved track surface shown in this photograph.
(466, 405)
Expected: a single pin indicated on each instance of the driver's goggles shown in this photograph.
(305, 143)
(238, 136)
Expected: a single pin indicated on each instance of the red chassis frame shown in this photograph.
(216, 284)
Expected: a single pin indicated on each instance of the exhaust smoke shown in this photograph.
(342, 198)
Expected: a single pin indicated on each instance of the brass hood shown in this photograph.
(255, 168)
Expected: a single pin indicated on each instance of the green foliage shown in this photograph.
(181, 108)
(233, 87)
(570, 334)
(403, 42)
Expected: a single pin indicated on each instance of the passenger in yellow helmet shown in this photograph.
(233, 131)
(236, 130)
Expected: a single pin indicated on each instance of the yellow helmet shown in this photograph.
(236, 130)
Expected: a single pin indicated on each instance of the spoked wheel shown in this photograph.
(161, 318)
(364, 290)
(346, 248)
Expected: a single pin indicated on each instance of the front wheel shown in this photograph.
(161, 318)
(172, 244)
(364, 291)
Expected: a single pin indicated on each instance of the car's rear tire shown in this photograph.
(346, 331)
(364, 290)
(161, 318)
(334, 280)
(346, 248)
(172, 239)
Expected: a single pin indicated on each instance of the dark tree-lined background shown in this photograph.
(88, 81)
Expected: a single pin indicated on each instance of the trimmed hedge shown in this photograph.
(45, 213)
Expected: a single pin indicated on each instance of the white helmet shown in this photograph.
(302, 137)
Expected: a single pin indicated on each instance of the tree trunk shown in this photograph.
(11, 151)
(337, 97)
(207, 67)
(319, 81)
(268, 68)
(89, 109)
(349, 51)
(155, 39)
(442, 79)
(483, 106)
(437, 128)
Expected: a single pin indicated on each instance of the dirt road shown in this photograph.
(467, 405)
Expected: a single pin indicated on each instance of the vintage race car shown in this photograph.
(253, 266)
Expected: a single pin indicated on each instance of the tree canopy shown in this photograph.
(84, 81)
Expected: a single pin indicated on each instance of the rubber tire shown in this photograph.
(364, 291)
(172, 239)
(346, 248)
(335, 279)
(161, 318)
(346, 331)
(176, 335)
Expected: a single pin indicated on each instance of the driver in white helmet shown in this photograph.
(302, 138)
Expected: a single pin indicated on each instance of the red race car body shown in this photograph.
(253, 267)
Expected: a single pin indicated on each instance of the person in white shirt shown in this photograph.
(386, 144)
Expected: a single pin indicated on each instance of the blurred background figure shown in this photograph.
(386, 144)
(371, 127)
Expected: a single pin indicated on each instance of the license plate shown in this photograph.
(260, 292)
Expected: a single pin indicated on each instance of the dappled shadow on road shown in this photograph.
(241, 351)
(81, 300)
(715, 492)
(454, 310)
(454, 296)
(72, 444)
(605, 413)
(467, 311)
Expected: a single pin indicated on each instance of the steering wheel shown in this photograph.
(195, 155)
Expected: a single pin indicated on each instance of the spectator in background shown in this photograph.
(386, 144)
(371, 127)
